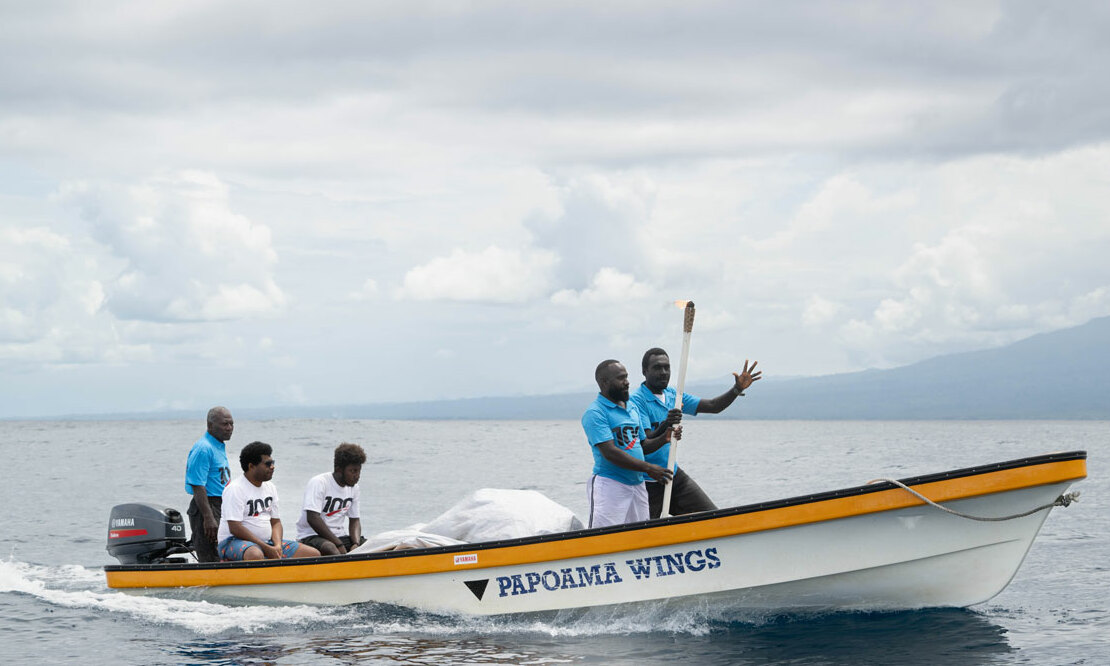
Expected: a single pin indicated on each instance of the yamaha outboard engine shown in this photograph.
(145, 534)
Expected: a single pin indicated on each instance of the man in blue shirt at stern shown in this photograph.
(616, 490)
(206, 474)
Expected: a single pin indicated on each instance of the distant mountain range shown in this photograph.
(1059, 375)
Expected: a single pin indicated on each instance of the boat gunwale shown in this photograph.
(613, 529)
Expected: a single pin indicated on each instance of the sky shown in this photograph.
(284, 203)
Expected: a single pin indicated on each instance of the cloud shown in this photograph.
(368, 291)
(493, 275)
(609, 286)
(187, 256)
(365, 89)
(53, 305)
(599, 227)
(44, 280)
(991, 261)
(842, 206)
(836, 185)
(819, 311)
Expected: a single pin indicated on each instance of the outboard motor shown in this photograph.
(146, 534)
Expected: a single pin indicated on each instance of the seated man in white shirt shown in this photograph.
(329, 518)
(250, 527)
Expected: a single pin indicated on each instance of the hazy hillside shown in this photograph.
(1063, 374)
(1059, 375)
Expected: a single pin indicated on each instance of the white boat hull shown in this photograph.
(907, 556)
(911, 558)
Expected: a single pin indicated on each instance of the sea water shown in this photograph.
(61, 478)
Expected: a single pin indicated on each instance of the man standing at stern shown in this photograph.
(655, 401)
(329, 519)
(616, 490)
(206, 474)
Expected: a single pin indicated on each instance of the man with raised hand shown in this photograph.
(616, 490)
(329, 519)
(206, 474)
(250, 528)
(655, 401)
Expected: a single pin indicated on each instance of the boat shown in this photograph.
(950, 539)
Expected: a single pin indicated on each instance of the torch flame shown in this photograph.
(688, 319)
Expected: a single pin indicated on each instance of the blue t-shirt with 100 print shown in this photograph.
(605, 420)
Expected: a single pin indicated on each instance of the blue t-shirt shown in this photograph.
(653, 412)
(207, 466)
(604, 420)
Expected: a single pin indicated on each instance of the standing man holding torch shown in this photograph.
(656, 403)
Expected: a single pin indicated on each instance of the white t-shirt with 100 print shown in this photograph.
(251, 505)
(335, 504)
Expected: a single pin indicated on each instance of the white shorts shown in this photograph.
(615, 503)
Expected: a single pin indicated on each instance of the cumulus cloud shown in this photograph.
(599, 227)
(968, 286)
(819, 310)
(52, 304)
(369, 290)
(842, 207)
(836, 184)
(609, 286)
(987, 260)
(187, 256)
(44, 280)
(615, 310)
(493, 275)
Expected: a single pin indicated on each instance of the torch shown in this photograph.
(687, 329)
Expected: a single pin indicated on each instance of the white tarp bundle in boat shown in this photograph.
(408, 537)
(489, 514)
(492, 514)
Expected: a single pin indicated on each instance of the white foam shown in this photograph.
(74, 586)
(613, 620)
(643, 618)
(65, 575)
(201, 617)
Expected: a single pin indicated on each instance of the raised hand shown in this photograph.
(747, 377)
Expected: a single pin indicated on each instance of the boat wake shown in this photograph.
(626, 619)
(78, 587)
(74, 586)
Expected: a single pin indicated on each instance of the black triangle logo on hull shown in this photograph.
(478, 587)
